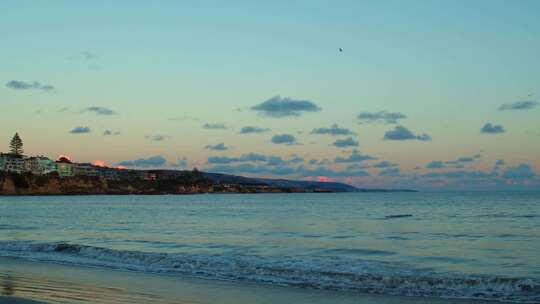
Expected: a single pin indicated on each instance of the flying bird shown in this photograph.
(341, 49)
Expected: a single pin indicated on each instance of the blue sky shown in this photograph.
(175, 82)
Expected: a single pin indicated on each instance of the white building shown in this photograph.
(64, 167)
(85, 170)
(39, 165)
(12, 162)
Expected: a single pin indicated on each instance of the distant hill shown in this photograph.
(308, 186)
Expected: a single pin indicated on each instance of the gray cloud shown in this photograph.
(283, 107)
(251, 129)
(402, 133)
(80, 130)
(384, 164)
(457, 163)
(21, 85)
(324, 171)
(153, 161)
(250, 157)
(436, 164)
(252, 169)
(489, 128)
(319, 162)
(181, 163)
(522, 171)
(286, 139)
(519, 105)
(347, 142)
(99, 110)
(334, 130)
(157, 137)
(110, 132)
(381, 116)
(355, 156)
(498, 164)
(217, 147)
(270, 160)
(459, 174)
(215, 126)
(390, 172)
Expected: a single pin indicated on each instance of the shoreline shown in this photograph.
(206, 193)
(48, 282)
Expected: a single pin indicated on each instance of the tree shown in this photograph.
(16, 145)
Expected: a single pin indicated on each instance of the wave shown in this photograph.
(308, 272)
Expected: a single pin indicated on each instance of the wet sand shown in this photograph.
(53, 283)
(12, 300)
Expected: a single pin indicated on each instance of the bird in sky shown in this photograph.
(341, 49)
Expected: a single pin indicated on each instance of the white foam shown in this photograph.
(309, 272)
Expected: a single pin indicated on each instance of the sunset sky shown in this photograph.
(425, 94)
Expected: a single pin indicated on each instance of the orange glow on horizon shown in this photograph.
(98, 163)
(325, 179)
(63, 157)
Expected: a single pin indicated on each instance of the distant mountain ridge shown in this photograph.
(312, 186)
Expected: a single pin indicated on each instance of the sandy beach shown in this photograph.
(27, 282)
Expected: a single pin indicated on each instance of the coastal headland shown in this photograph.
(154, 182)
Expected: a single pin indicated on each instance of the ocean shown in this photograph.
(477, 245)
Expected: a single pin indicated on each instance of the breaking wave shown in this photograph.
(308, 272)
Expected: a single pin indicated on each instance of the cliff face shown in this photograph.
(181, 182)
(27, 184)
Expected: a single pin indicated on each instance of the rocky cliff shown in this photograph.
(28, 184)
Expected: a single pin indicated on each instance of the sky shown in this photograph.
(433, 95)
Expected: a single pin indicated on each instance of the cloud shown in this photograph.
(522, 171)
(519, 105)
(215, 126)
(384, 164)
(319, 162)
(488, 128)
(286, 139)
(278, 107)
(459, 174)
(390, 172)
(153, 161)
(251, 129)
(181, 163)
(21, 85)
(324, 171)
(270, 160)
(252, 169)
(347, 142)
(381, 116)
(436, 164)
(110, 132)
(457, 163)
(402, 133)
(249, 157)
(99, 110)
(217, 147)
(80, 130)
(157, 137)
(334, 130)
(355, 156)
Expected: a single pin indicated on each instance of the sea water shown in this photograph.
(478, 245)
